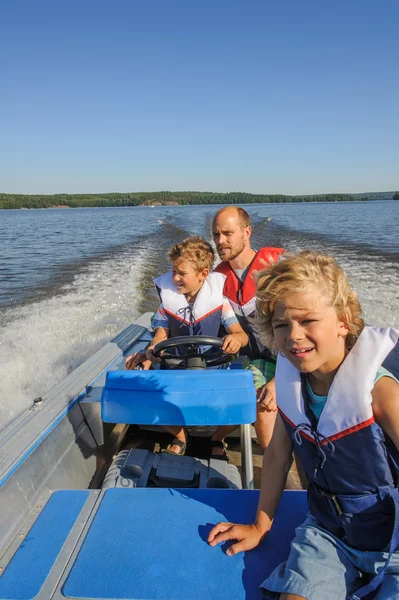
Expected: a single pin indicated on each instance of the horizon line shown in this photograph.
(195, 192)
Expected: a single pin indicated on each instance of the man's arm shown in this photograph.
(385, 405)
(275, 467)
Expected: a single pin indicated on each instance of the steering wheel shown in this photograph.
(193, 359)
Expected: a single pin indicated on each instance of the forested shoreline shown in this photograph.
(14, 201)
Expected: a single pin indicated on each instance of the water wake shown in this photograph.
(89, 303)
(374, 276)
(45, 341)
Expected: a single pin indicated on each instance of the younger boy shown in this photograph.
(192, 303)
(339, 411)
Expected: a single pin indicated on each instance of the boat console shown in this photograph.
(186, 398)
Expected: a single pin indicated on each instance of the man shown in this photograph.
(232, 232)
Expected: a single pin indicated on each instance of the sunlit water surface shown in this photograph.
(70, 279)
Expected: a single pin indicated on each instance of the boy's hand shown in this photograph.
(231, 344)
(150, 356)
(136, 359)
(266, 397)
(247, 536)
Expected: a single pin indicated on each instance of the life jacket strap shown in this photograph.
(353, 504)
(375, 582)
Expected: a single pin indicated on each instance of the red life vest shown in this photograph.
(241, 295)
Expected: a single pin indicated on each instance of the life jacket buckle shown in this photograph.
(333, 502)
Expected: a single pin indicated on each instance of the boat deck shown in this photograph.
(145, 544)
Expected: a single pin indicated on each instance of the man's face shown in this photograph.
(229, 236)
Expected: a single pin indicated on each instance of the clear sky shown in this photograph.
(282, 96)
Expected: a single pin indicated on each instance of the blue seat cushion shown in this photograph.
(207, 397)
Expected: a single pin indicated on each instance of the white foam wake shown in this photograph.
(43, 342)
(377, 285)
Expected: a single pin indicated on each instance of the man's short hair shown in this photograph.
(243, 217)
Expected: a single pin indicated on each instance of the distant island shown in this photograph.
(13, 201)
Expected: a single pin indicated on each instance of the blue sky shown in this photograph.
(289, 96)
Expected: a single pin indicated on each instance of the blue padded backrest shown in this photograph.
(214, 397)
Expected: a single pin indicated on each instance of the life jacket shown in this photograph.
(203, 317)
(351, 464)
(241, 295)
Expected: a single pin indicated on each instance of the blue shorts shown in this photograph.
(322, 567)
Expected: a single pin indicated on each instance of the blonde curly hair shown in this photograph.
(194, 250)
(296, 274)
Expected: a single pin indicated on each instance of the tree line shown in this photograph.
(12, 201)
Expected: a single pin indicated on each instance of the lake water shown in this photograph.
(70, 279)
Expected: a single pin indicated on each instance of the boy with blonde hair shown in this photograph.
(339, 411)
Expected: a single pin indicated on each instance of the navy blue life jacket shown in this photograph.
(351, 464)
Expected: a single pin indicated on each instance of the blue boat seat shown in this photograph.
(214, 397)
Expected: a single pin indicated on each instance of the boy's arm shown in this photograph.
(276, 464)
(386, 407)
(161, 334)
(266, 397)
(146, 358)
(277, 461)
(236, 339)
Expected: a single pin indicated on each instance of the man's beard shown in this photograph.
(232, 253)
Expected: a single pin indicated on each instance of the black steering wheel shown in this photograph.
(193, 359)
